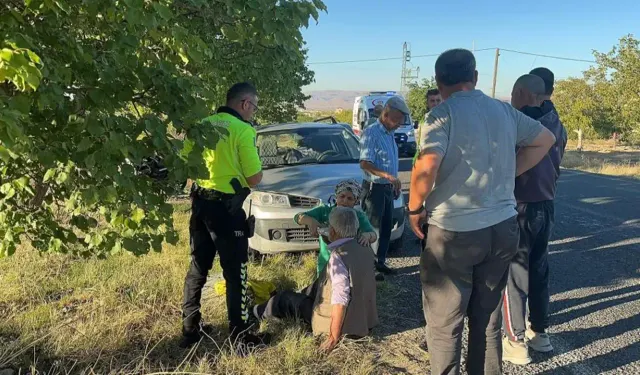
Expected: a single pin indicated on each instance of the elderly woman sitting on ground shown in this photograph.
(348, 193)
(342, 300)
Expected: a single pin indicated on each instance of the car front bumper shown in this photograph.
(276, 232)
(407, 148)
(406, 144)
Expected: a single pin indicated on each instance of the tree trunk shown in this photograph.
(579, 132)
(41, 192)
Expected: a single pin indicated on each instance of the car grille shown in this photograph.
(303, 202)
(300, 235)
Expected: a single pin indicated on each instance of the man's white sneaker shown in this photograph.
(538, 341)
(515, 352)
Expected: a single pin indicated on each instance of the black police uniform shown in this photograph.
(218, 226)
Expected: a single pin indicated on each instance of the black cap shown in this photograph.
(548, 78)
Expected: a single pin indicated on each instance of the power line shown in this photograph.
(353, 61)
(383, 58)
(548, 56)
(438, 54)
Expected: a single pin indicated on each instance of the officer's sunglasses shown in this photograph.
(253, 104)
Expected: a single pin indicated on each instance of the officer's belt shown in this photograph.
(210, 194)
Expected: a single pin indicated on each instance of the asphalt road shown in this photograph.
(595, 277)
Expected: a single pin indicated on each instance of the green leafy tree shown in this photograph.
(417, 97)
(89, 89)
(616, 80)
(607, 98)
(580, 107)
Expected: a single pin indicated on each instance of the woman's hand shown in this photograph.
(329, 344)
(366, 239)
(310, 222)
(313, 227)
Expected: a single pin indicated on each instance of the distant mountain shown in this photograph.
(331, 99)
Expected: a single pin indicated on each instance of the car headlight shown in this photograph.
(410, 133)
(266, 199)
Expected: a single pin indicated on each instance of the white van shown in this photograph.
(363, 111)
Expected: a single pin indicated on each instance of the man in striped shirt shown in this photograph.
(381, 186)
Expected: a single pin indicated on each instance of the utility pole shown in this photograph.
(495, 73)
(406, 56)
(407, 75)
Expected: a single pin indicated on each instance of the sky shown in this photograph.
(357, 29)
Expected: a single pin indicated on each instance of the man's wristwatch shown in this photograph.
(415, 212)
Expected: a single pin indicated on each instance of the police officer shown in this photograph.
(218, 222)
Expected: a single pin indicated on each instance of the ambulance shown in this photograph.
(363, 111)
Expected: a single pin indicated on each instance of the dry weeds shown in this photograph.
(122, 316)
(601, 157)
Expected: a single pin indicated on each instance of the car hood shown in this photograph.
(405, 129)
(313, 180)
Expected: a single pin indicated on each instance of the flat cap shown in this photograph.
(397, 103)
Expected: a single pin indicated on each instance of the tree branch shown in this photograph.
(40, 194)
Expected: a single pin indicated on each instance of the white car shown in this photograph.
(302, 164)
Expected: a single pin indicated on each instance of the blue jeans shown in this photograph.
(529, 272)
(377, 203)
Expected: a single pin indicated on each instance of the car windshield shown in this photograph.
(312, 145)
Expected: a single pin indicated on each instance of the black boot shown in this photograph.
(245, 343)
(188, 340)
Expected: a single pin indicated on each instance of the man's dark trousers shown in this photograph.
(377, 203)
(290, 304)
(464, 273)
(529, 272)
(215, 229)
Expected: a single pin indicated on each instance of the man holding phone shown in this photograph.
(381, 186)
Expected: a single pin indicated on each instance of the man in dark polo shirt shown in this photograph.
(535, 191)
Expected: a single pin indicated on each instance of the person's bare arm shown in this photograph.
(248, 155)
(367, 166)
(255, 179)
(529, 156)
(423, 177)
(335, 331)
(372, 169)
(312, 223)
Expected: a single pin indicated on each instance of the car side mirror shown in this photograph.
(415, 125)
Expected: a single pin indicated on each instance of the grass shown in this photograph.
(61, 315)
(601, 157)
(122, 315)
